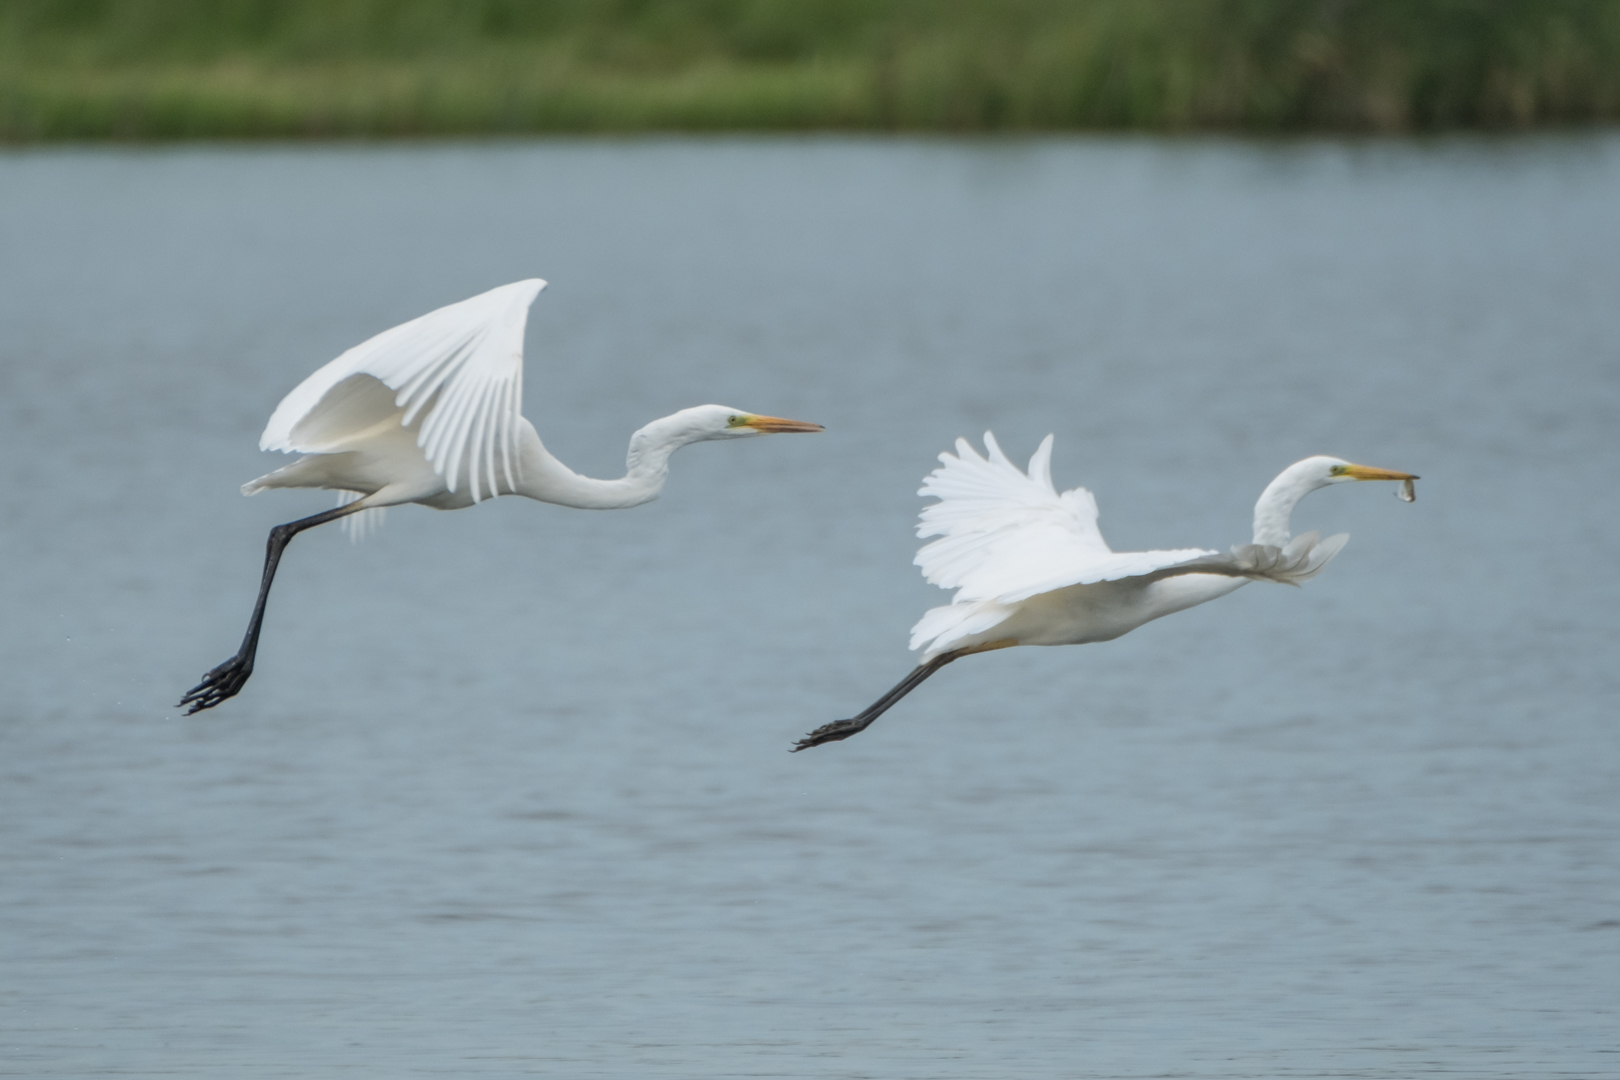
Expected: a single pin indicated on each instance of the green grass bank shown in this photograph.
(185, 69)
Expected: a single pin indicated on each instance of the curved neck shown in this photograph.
(647, 467)
(1276, 505)
(646, 464)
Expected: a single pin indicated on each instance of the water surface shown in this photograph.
(509, 794)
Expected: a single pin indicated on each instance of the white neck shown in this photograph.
(646, 464)
(1277, 502)
(647, 467)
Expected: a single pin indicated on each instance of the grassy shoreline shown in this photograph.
(195, 69)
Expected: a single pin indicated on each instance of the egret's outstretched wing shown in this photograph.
(459, 368)
(1007, 535)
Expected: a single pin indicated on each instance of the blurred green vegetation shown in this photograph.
(139, 69)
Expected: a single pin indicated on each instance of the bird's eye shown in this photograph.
(1338, 470)
(734, 421)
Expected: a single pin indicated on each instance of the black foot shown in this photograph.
(225, 681)
(838, 729)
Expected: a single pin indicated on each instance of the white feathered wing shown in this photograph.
(1006, 536)
(460, 369)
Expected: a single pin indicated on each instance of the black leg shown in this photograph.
(227, 680)
(843, 729)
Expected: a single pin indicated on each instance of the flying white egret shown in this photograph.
(1030, 566)
(430, 412)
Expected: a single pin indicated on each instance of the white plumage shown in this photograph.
(465, 360)
(1030, 566)
(430, 412)
(1007, 535)
(457, 380)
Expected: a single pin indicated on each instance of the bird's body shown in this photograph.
(1030, 566)
(1100, 611)
(429, 412)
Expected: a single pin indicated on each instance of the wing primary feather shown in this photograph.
(416, 395)
(422, 394)
(440, 354)
(443, 428)
(477, 448)
(425, 385)
(432, 436)
(503, 417)
(996, 456)
(514, 429)
(487, 422)
(480, 445)
(457, 421)
(509, 412)
(500, 437)
(455, 441)
(471, 448)
(1040, 464)
(484, 439)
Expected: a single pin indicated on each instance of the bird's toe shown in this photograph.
(826, 733)
(220, 684)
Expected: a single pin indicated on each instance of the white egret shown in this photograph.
(1030, 566)
(430, 412)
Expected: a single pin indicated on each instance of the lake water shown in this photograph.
(510, 793)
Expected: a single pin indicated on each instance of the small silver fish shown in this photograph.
(1407, 492)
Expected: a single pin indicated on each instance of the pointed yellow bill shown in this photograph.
(775, 424)
(1367, 472)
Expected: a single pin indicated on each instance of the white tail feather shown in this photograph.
(362, 523)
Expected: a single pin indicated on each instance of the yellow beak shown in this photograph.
(774, 424)
(1367, 472)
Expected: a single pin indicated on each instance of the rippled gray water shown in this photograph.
(509, 794)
